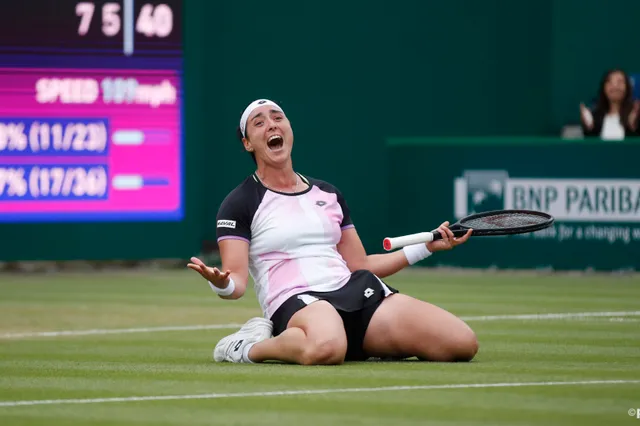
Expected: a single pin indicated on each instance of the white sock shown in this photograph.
(245, 353)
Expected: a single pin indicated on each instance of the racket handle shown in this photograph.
(407, 240)
(419, 238)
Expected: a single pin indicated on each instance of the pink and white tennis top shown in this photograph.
(292, 238)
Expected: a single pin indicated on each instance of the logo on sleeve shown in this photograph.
(227, 224)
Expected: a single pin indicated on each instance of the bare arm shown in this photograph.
(234, 254)
(383, 265)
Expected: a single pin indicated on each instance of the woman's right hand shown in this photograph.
(213, 275)
(586, 117)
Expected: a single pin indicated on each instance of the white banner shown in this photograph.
(577, 200)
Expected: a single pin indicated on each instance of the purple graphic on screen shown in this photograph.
(90, 144)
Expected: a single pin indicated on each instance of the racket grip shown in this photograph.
(419, 238)
(457, 233)
(391, 243)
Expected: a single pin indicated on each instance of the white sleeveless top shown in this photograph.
(612, 128)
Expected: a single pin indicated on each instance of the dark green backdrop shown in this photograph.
(349, 75)
(612, 243)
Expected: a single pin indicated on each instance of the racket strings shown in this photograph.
(504, 220)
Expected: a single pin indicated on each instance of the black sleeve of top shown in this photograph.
(236, 212)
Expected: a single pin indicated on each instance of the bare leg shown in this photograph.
(405, 327)
(314, 336)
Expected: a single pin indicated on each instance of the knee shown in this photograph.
(463, 347)
(460, 347)
(325, 352)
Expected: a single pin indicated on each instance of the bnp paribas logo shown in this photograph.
(479, 191)
(571, 199)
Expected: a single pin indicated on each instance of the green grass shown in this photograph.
(179, 362)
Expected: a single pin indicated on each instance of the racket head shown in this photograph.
(506, 222)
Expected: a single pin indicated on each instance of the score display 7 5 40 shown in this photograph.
(152, 20)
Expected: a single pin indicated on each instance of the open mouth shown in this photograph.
(275, 142)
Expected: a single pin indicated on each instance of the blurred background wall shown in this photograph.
(351, 76)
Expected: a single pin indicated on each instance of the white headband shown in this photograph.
(253, 105)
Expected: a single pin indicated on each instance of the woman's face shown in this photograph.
(269, 135)
(615, 87)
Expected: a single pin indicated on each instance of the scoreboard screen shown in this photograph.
(91, 125)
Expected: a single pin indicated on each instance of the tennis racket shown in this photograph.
(485, 224)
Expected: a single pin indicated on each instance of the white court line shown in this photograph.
(552, 316)
(117, 331)
(565, 315)
(305, 392)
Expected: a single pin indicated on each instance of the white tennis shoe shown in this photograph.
(232, 348)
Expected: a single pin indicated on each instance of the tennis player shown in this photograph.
(322, 297)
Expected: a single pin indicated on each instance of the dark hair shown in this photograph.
(602, 103)
(240, 137)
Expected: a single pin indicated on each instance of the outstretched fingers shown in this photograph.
(464, 238)
(212, 274)
(198, 266)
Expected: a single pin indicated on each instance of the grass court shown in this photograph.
(134, 348)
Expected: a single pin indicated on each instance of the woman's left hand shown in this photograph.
(448, 240)
(633, 115)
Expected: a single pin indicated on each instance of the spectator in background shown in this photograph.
(615, 115)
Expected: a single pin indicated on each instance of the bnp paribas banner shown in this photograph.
(592, 189)
(584, 209)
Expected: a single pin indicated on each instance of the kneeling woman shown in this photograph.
(322, 297)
